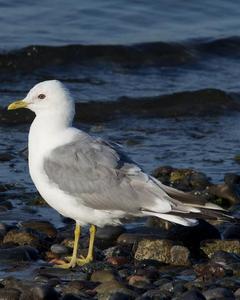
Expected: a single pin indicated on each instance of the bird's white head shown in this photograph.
(50, 98)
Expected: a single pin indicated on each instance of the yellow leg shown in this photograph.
(89, 257)
(73, 260)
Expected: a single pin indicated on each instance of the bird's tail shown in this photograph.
(187, 208)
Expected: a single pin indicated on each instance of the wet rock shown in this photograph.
(168, 287)
(3, 229)
(66, 275)
(109, 232)
(41, 226)
(44, 293)
(179, 288)
(231, 282)
(231, 179)
(23, 286)
(51, 257)
(159, 250)
(106, 289)
(190, 237)
(18, 254)
(162, 281)
(148, 264)
(21, 237)
(163, 174)
(102, 276)
(196, 284)
(172, 287)
(48, 278)
(118, 261)
(68, 242)
(10, 294)
(211, 246)
(163, 251)
(137, 234)
(148, 271)
(237, 293)
(121, 296)
(218, 293)
(155, 294)
(76, 287)
(193, 295)
(44, 280)
(209, 271)
(186, 274)
(129, 238)
(232, 232)
(59, 249)
(139, 281)
(180, 256)
(117, 251)
(188, 179)
(225, 259)
(224, 191)
(183, 179)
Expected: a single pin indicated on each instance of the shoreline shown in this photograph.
(140, 261)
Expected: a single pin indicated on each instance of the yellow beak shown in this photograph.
(17, 104)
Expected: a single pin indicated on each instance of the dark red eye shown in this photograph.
(41, 96)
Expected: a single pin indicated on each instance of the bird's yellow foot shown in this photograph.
(80, 261)
(73, 260)
(84, 261)
(60, 263)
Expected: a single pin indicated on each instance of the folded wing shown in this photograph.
(102, 177)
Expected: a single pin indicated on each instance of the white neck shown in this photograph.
(46, 129)
(53, 121)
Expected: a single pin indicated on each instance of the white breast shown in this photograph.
(41, 142)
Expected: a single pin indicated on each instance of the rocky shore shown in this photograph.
(151, 259)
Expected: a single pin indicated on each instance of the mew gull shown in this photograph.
(90, 180)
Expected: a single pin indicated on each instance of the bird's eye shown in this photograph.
(41, 96)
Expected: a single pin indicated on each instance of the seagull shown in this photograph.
(93, 181)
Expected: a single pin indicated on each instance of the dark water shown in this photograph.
(104, 50)
(61, 22)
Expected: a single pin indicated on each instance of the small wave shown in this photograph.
(200, 103)
(151, 54)
(32, 57)
(225, 47)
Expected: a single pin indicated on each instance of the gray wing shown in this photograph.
(101, 176)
